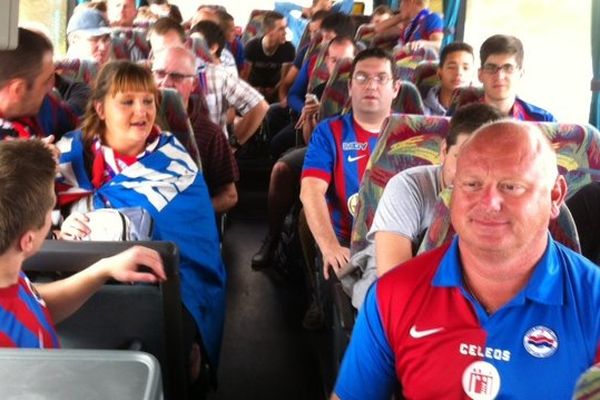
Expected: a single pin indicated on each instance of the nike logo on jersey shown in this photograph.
(352, 159)
(421, 334)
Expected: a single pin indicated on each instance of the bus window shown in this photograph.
(49, 16)
(556, 40)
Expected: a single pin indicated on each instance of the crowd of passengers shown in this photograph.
(500, 298)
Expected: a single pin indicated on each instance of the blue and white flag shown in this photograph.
(165, 182)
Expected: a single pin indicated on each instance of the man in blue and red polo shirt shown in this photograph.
(503, 311)
(338, 154)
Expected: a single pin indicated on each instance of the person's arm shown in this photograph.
(225, 198)
(392, 25)
(245, 73)
(247, 125)
(312, 195)
(297, 92)
(64, 297)
(391, 249)
(434, 41)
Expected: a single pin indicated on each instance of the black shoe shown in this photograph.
(263, 257)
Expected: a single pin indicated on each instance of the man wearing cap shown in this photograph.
(88, 34)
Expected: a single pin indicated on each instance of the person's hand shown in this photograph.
(336, 258)
(49, 143)
(311, 108)
(124, 267)
(75, 227)
(413, 46)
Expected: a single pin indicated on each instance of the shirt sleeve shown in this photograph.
(298, 90)
(250, 51)
(399, 209)
(320, 154)
(239, 94)
(367, 371)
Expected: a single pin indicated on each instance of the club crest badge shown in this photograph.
(481, 381)
(540, 342)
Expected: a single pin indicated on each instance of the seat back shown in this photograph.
(405, 141)
(254, 27)
(336, 98)
(133, 42)
(407, 64)
(77, 70)
(463, 96)
(578, 161)
(320, 73)
(118, 315)
(426, 76)
(198, 46)
(364, 35)
(408, 100)
(172, 116)
(314, 47)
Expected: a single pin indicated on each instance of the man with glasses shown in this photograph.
(500, 72)
(338, 154)
(174, 68)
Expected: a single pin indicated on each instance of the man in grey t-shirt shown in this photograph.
(405, 209)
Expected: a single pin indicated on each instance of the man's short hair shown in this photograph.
(24, 62)
(374, 52)
(341, 40)
(164, 25)
(453, 47)
(319, 15)
(502, 44)
(469, 118)
(339, 23)
(269, 20)
(382, 9)
(213, 34)
(27, 171)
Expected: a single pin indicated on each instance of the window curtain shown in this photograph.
(595, 85)
(451, 16)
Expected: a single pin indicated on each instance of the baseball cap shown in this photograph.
(89, 22)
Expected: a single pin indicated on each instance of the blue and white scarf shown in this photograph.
(165, 181)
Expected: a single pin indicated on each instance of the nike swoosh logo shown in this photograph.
(421, 334)
(352, 159)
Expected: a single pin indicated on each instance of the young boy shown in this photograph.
(28, 312)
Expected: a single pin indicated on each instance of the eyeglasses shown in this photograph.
(362, 79)
(493, 69)
(176, 77)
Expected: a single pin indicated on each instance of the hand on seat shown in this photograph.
(75, 227)
(337, 258)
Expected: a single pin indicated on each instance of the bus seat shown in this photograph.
(426, 77)
(305, 39)
(320, 74)
(132, 39)
(314, 47)
(408, 100)
(118, 315)
(463, 96)
(335, 98)
(74, 374)
(385, 42)
(576, 147)
(405, 141)
(198, 46)
(407, 64)
(364, 35)
(77, 70)
(172, 116)
(254, 27)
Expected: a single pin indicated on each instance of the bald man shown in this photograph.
(502, 311)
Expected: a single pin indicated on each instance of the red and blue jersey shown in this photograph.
(24, 318)
(420, 331)
(524, 111)
(338, 153)
(423, 26)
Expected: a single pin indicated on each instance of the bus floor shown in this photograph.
(266, 354)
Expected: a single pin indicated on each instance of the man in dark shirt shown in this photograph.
(174, 67)
(269, 57)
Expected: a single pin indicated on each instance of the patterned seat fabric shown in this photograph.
(408, 100)
(197, 45)
(364, 35)
(464, 96)
(254, 27)
(320, 74)
(172, 116)
(408, 64)
(426, 76)
(406, 141)
(77, 70)
(578, 152)
(335, 98)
